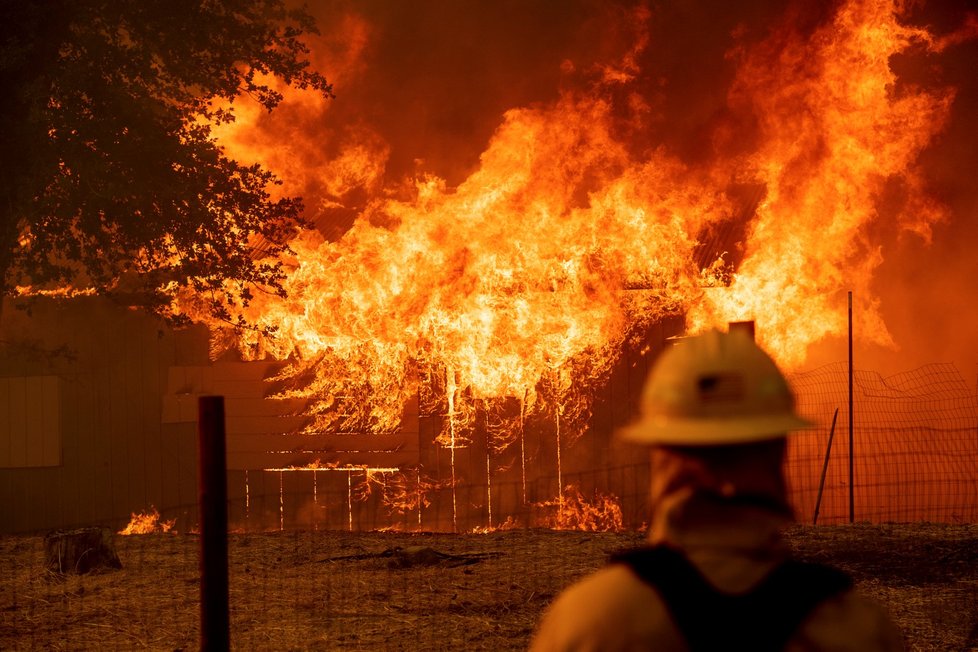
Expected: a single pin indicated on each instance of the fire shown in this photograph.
(65, 292)
(497, 283)
(535, 258)
(401, 491)
(836, 128)
(353, 160)
(147, 523)
(509, 524)
(511, 294)
(573, 511)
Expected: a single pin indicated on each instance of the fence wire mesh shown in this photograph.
(914, 446)
(327, 590)
(337, 583)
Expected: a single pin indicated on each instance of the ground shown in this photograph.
(389, 591)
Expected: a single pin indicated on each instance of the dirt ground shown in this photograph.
(387, 591)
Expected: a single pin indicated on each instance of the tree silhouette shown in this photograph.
(111, 178)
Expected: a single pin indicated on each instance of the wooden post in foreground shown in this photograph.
(215, 627)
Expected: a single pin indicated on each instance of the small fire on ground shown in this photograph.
(147, 523)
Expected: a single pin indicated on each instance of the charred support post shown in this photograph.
(488, 465)
(526, 394)
(560, 478)
(212, 497)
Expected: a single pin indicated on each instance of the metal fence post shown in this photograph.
(825, 468)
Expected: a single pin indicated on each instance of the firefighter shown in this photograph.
(715, 573)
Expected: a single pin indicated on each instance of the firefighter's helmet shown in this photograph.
(711, 390)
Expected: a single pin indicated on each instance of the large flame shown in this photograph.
(835, 129)
(529, 274)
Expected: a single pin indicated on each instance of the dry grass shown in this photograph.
(355, 591)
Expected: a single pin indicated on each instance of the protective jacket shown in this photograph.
(734, 543)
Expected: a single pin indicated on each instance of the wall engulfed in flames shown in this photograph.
(500, 214)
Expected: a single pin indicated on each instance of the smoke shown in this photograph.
(421, 87)
(436, 77)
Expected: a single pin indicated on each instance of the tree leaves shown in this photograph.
(112, 177)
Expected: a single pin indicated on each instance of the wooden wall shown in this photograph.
(82, 381)
(266, 448)
(30, 426)
(98, 421)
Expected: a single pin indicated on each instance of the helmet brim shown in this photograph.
(711, 431)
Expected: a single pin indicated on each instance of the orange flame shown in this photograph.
(147, 523)
(409, 492)
(526, 278)
(573, 511)
(836, 129)
(499, 282)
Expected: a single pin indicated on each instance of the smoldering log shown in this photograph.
(80, 551)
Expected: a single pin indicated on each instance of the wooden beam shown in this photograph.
(245, 461)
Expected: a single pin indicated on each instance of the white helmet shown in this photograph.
(712, 390)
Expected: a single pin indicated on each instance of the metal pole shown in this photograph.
(825, 467)
(852, 502)
(212, 498)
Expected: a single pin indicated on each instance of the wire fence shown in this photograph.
(317, 562)
(329, 590)
(912, 454)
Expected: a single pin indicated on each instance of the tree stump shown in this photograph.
(80, 551)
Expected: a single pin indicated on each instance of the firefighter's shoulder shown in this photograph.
(610, 610)
(848, 622)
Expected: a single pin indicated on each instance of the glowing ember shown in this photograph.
(147, 523)
(509, 524)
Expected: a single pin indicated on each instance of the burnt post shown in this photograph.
(213, 509)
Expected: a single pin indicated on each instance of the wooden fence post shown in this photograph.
(215, 624)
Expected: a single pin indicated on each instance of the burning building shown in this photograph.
(516, 207)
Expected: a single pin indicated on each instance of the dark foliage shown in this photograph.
(111, 177)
